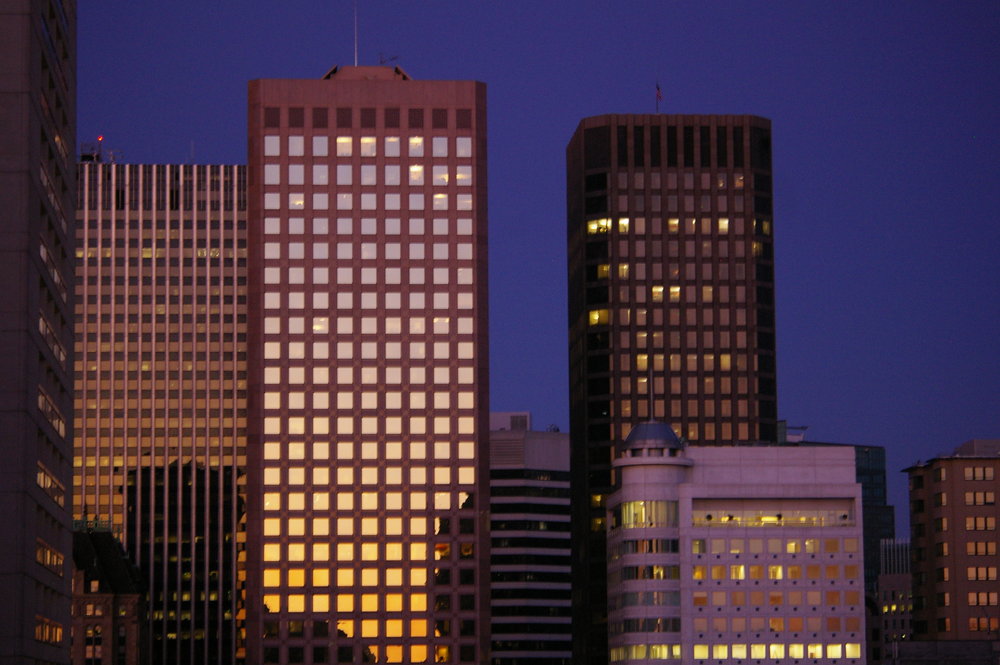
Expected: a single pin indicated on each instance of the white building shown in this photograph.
(734, 554)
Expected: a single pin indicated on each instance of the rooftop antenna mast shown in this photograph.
(355, 33)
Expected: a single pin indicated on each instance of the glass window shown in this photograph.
(463, 146)
(272, 146)
(439, 146)
(416, 146)
(296, 146)
(320, 146)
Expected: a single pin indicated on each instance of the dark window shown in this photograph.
(595, 205)
(320, 120)
(467, 653)
(689, 146)
(760, 148)
(596, 182)
(721, 152)
(345, 655)
(638, 147)
(416, 119)
(467, 601)
(320, 655)
(671, 146)
(596, 147)
(705, 143)
(392, 117)
(439, 118)
(296, 116)
(738, 147)
(622, 145)
(272, 116)
(654, 146)
(463, 118)
(344, 117)
(368, 118)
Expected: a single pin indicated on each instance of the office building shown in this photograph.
(879, 517)
(671, 305)
(894, 603)
(368, 491)
(733, 554)
(953, 540)
(109, 611)
(530, 553)
(161, 375)
(38, 116)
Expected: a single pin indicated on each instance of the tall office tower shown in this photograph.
(38, 116)
(161, 390)
(368, 490)
(953, 543)
(671, 305)
(530, 554)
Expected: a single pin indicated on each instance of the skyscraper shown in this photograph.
(671, 305)
(369, 423)
(161, 390)
(38, 116)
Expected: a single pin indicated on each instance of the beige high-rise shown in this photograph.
(368, 374)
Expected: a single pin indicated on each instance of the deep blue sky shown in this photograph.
(886, 148)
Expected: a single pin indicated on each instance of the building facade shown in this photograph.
(109, 611)
(730, 555)
(161, 376)
(38, 114)
(368, 492)
(894, 604)
(530, 548)
(671, 304)
(953, 543)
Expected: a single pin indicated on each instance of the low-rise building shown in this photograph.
(730, 554)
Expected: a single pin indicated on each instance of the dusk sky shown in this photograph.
(886, 130)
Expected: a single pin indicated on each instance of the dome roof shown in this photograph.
(652, 434)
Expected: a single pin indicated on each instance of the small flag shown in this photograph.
(659, 92)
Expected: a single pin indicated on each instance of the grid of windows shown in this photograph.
(370, 395)
(161, 372)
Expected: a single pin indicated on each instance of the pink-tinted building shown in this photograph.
(38, 116)
(368, 436)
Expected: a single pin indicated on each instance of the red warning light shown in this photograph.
(101, 137)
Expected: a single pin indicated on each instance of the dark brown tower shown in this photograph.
(671, 305)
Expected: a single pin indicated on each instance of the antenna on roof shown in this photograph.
(355, 33)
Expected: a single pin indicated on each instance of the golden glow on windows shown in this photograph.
(598, 317)
(596, 226)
